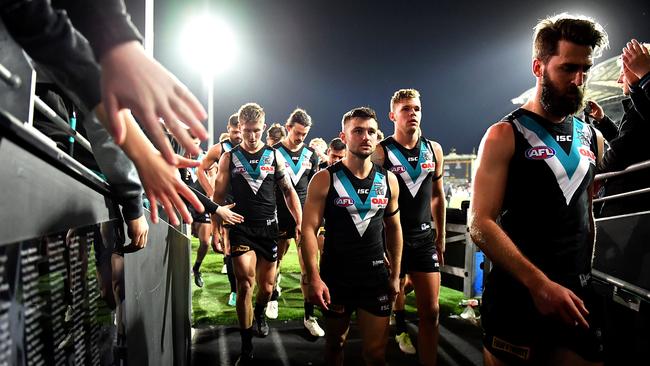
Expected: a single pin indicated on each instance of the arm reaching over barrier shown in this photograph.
(131, 79)
(160, 180)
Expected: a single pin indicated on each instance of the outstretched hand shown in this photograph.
(160, 180)
(162, 183)
(133, 80)
(636, 58)
(228, 216)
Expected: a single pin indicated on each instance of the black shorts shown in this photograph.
(286, 228)
(516, 333)
(419, 255)
(368, 291)
(203, 218)
(259, 237)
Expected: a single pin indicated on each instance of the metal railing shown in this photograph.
(620, 242)
(14, 81)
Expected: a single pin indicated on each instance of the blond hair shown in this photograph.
(251, 112)
(403, 94)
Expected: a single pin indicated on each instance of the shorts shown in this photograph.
(259, 237)
(286, 228)
(369, 292)
(516, 333)
(419, 255)
(203, 218)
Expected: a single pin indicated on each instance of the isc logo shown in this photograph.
(540, 153)
(563, 138)
(344, 201)
(254, 161)
(397, 169)
(428, 166)
(363, 191)
(413, 158)
(379, 201)
(267, 168)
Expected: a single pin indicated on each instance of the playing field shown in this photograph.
(210, 303)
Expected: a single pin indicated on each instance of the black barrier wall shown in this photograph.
(55, 222)
(157, 300)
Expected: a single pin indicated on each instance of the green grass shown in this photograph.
(209, 304)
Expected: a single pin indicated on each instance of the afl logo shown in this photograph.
(397, 169)
(239, 170)
(344, 201)
(540, 153)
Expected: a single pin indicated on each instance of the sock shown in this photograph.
(309, 310)
(197, 266)
(259, 310)
(274, 295)
(246, 339)
(400, 321)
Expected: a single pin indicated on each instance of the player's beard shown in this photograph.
(561, 104)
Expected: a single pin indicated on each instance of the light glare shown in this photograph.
(208, 44)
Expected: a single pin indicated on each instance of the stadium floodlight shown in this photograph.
(209, 47)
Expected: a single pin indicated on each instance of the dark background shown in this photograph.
(468, 59)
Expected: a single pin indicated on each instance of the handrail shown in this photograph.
(629, 169)
(8, 77)
(63, 125)
(622, 195)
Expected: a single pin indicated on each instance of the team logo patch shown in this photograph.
(428, 155)
(379, 189)
(344, 201)
(397, 169)
(540, 153)
(584, 139)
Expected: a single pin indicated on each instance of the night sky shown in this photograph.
(468, 59)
